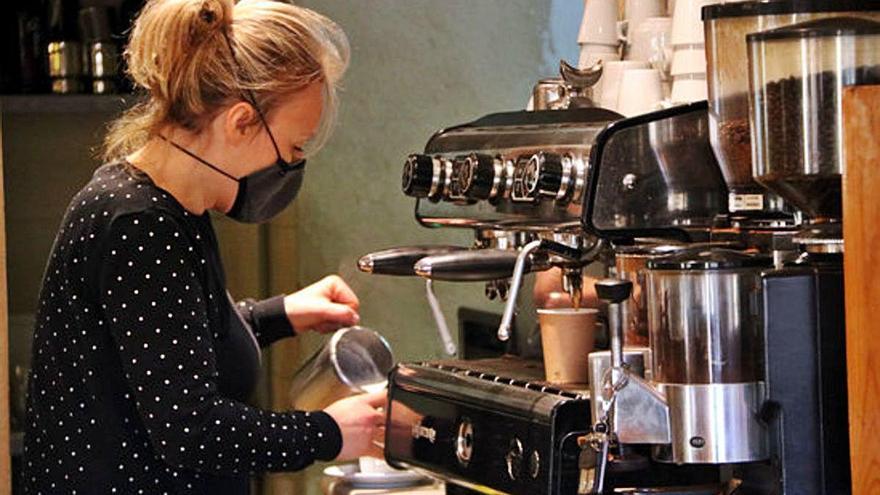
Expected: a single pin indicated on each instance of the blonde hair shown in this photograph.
(194, 57)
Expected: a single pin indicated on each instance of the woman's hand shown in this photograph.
(325, 306)
(362, 422)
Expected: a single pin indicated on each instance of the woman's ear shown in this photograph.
(239, 122)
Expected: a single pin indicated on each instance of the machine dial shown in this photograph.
(422, 177)
(514, 458)
(549, 172)
(534, 465)
(479, 176)
(464, 442)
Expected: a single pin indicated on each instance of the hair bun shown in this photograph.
(213, 16)
(178, 51)
(168, 38)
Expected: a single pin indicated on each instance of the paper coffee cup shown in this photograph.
(567, 337)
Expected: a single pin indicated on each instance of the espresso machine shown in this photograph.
(518, 180)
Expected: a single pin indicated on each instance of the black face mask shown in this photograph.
(265, 193)
(262, 194)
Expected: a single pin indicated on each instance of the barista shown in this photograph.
(142, 363)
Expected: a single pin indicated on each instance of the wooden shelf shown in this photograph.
(49, 103)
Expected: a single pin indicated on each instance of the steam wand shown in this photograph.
(442, 327)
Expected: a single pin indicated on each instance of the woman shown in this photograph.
(141, 361)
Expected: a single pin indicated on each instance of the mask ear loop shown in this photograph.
(249, 96)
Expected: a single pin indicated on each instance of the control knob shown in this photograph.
(477, 176)
(545, 174)
(514, 459)
(464, 442)
(421, 176)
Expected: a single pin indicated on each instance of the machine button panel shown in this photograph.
(481, 177)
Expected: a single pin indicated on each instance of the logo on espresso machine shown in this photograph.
(428, 433)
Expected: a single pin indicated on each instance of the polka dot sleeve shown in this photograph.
(155, 301)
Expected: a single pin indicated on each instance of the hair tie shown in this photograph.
(207, 15)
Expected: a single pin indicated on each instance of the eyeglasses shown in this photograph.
(282, 164)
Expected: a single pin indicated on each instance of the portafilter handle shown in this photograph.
(472, 265)
(400, 261)
(615, 292)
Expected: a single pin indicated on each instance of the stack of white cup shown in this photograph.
(612, 76)
(641, 91)
(688, 52)
(634, 86)
(599, 36)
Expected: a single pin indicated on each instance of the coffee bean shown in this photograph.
(800, 143)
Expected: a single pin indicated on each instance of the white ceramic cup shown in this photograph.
(650, 41)
(641, 91)
(600, 23)
(636, 11)
(369, 464)
(687, 23)
(592, 53)
(609, 84)
(688, 59)
(689, 88)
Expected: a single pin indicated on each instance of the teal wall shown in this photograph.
(417, 66)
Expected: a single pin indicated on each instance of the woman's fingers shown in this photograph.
(340, 315)
(376, 400)
(338, 291)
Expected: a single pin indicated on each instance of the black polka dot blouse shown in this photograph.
(142, 363)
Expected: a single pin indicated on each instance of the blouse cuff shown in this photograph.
(331, 436)
(271, 319)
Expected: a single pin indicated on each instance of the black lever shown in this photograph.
(474, 265)
(400, 261)
(615, 292)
